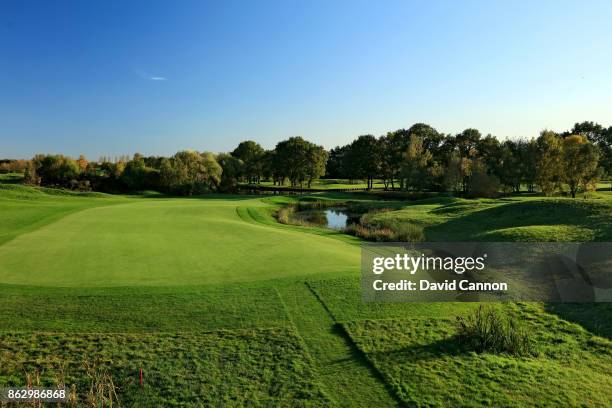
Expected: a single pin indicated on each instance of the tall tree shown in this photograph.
(315, 163)
(601, 137)
(580, 159)
(549, 169)
(414, 166)
(232, 169)
(299, 160)
(190, 172)
(363, 159)
(336, 163)
(251, 154)
(55, 169)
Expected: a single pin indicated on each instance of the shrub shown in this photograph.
(489, 330)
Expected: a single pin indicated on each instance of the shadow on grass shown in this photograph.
(594, 317)
(471, 226)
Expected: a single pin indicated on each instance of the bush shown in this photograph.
(489, 330)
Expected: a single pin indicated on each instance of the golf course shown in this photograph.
(216, 303)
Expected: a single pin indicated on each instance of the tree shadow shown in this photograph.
(594, 317)
(446, 347)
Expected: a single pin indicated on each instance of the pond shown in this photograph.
(335, 218)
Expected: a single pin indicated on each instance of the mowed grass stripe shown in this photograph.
(347, 378)
(167, 242)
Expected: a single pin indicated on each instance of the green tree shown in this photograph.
(601, 137)
(190, 172)
(414, 166)
(580, 159)
(482, 183)
(251, 154)
(30, 176)
(232, 170)
(549, 167)
(56, 169)
(298, 160)
(315, 163)
(137, 176)
(363, 158)
(336, 163)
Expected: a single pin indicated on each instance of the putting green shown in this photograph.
(168, 242)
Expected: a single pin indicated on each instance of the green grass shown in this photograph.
(178, 368)
(221, 305)
(163, 242)
(140, 309)
(426, 365)
(526, 218)
(11, 178)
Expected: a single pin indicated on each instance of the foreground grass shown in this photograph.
(178, 368)
(426, 366)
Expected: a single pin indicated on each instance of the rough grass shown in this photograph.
(269, 367)
(427, 366)
(343, 297)
(144, 309)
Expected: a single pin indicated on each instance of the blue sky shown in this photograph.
(116, 77)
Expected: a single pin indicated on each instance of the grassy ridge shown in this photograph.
(509, 219)
(25, 209)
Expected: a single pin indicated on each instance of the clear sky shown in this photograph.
(116, 77)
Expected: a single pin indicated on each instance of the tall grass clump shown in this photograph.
(102, 390)
(283, 214)
(385, 231)
(489, 330)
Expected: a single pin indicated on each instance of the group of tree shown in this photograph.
(418, 158)
(421, 158)
(294, 160)
(12, 166)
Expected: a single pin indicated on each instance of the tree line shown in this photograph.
(421, 158)
(418, 158)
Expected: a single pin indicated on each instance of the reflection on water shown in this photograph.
(335, 218)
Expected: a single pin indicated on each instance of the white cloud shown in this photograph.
(148, 76)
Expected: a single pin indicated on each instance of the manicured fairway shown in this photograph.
(167, 242)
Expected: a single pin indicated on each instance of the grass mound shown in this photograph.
(23, 192)
(426, 365)
(511, 219)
